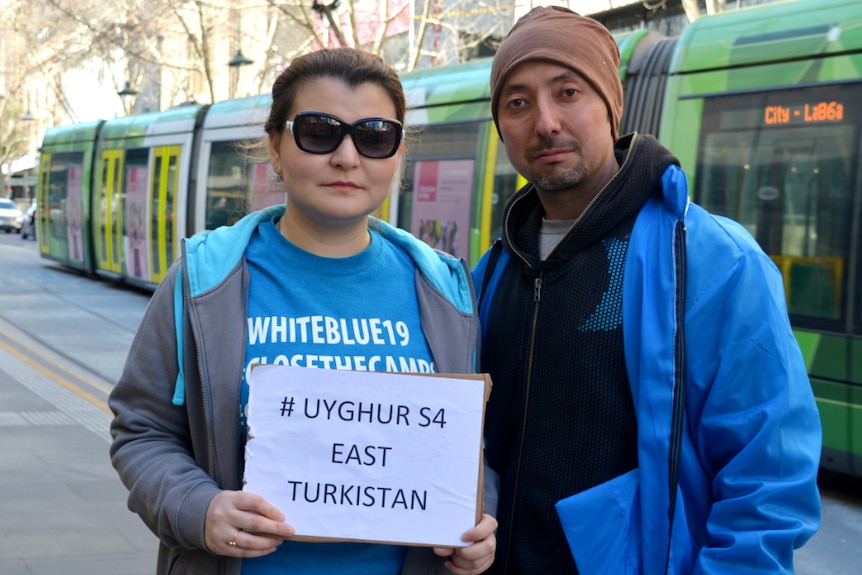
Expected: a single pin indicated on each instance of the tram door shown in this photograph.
(41, 218)
(109, 220)
(163, 195)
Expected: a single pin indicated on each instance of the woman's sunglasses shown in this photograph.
(318, 133)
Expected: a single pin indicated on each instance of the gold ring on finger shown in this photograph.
(232, 542)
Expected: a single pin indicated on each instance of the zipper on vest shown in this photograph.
(537, 292)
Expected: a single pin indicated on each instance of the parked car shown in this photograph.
(10, 216)
(28, 225)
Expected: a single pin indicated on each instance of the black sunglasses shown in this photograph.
(318, 133)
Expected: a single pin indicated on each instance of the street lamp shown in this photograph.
(239, 60)
(126, 93)
(235, 63)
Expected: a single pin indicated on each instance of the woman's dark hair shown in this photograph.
(351, 66)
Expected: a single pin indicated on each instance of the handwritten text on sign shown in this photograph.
(367, 456)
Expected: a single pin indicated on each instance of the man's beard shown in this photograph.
(554, 179)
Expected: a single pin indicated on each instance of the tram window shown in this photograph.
(59, 192)
(783, 164)
(171, 186)
(135, 212)
(227, 193)
(116, 213)
(444, 157)
(156, 209)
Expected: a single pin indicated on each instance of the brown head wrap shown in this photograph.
(558, 35)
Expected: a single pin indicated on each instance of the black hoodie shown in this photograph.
(561, 418)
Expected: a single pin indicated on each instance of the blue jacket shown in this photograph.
(747, 493)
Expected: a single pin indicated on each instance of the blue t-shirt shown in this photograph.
(359, 313)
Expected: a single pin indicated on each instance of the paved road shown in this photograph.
(63, 340)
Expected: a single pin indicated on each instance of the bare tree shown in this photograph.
(13, 140)
(134, 41)
(452, 32)
(409, 34)
(174, 51)
(112, 35)
(30, 44)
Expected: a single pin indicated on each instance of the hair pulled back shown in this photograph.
(351, 66)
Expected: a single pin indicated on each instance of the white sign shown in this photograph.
(367, 456)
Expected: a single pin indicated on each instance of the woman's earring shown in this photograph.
(278, 175)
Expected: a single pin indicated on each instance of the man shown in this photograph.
(639, 346)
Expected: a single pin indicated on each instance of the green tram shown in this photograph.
(763, 107)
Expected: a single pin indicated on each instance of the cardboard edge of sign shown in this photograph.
(480, 491)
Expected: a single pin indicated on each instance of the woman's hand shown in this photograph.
(241, 524)
(475, 558)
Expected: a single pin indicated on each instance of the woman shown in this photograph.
(335, 140)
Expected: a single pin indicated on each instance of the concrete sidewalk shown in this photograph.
(62, 506)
